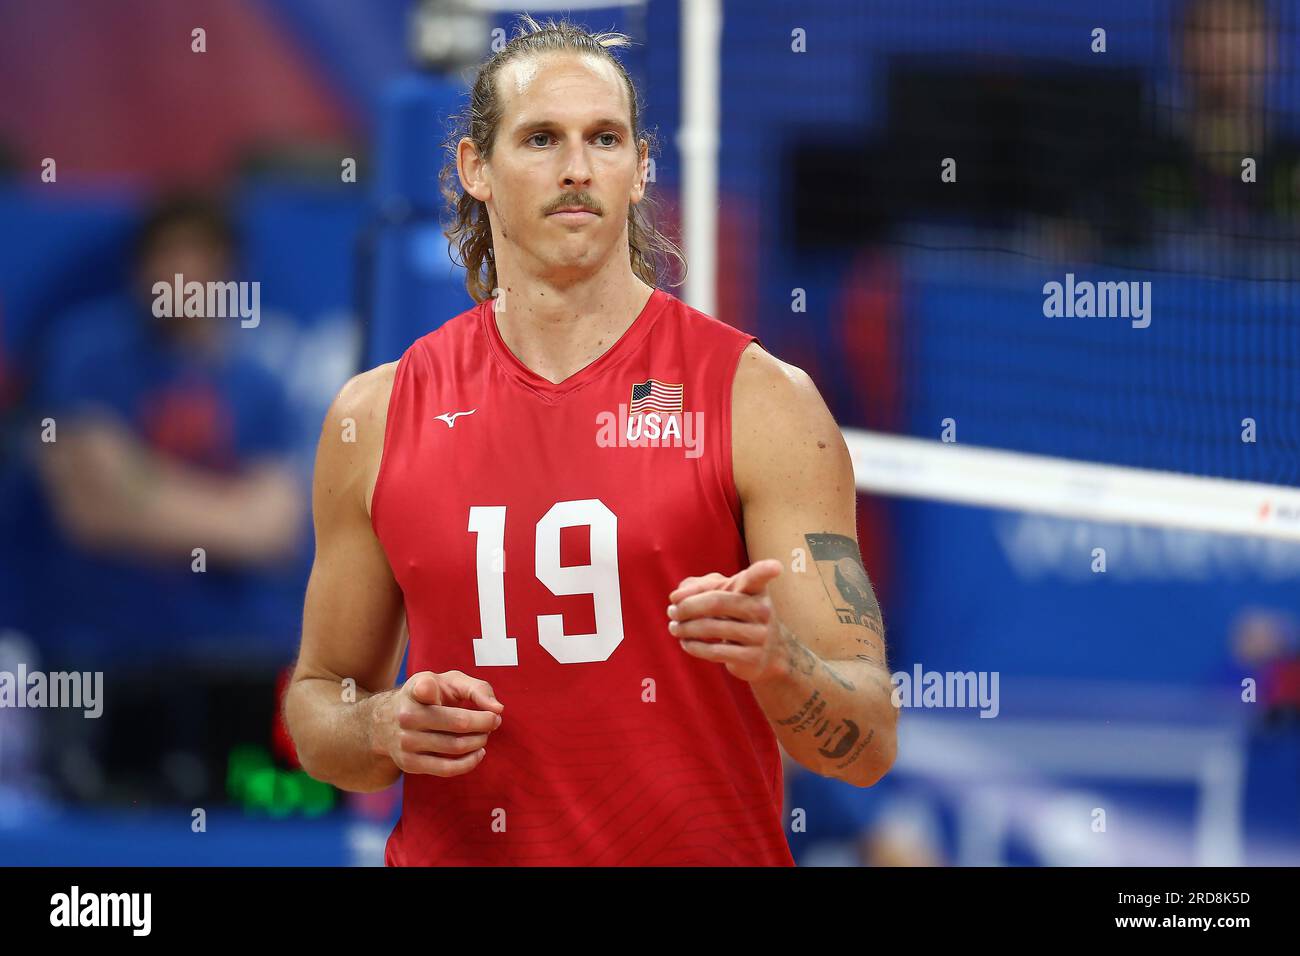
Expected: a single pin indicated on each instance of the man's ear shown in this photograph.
(472, 170)
(642, 172)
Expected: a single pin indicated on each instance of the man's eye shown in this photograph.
(614, 136)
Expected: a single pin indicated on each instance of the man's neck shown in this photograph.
(557, 332)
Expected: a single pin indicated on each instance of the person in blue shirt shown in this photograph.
(167, 442)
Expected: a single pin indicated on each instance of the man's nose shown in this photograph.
(577, 167)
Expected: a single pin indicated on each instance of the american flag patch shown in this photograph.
(655, 396)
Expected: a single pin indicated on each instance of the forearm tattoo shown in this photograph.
(803, 661)
(838, 738)
(838, 677)
(842, 746)
(840, 564)
(808, 714)
(798, 657)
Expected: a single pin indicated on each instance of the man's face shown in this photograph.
(563, 141)
(187, 250)
(1227, 53)
(197, 257)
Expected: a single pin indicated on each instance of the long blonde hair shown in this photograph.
(470, 232)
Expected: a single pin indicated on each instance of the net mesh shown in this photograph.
(1063, 231)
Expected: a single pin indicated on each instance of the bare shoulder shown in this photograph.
(352, 436)
(782, 430)
(762, 376)
(365, 395)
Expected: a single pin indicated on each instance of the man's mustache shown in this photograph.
(576, 202)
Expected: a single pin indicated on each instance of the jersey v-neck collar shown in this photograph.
(553, 391)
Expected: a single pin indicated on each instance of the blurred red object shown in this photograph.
(281, 743)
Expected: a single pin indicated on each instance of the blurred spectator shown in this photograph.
(1267, 646)
(167, 442)
(1226, 52)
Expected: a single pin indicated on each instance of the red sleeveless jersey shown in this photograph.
(536, 530)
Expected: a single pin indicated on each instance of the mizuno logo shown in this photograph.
(450, 417)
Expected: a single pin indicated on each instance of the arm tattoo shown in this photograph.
(857, 751)
(801, 660)
(839, 745)
(838, 678)
(808, 713)
(840, 564)
(843, 735)
(799, 657)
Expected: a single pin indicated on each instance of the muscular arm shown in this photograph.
(830, 703)
(353, 616)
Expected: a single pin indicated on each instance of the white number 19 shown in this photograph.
(599, 579)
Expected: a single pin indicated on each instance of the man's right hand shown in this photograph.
(418, 728)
